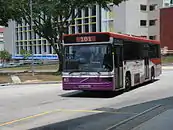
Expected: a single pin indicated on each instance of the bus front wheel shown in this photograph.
(127, 82)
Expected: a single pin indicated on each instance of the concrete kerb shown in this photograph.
(167, 67)
(30, 83)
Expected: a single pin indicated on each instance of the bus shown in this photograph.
(107, 61)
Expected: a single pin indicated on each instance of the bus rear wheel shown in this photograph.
(152, 75)
(127, 82)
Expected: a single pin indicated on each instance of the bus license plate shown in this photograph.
(84, 86)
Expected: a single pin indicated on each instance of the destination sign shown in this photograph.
(83, 38)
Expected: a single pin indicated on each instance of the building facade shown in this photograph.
(1, 38)
(140, 18)
(134, 17)
(18, 36)
(166, 30)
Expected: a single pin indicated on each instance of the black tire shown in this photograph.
(152, 75)
(127, 82)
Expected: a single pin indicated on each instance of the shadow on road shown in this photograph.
(104, 120)
(100, 94)
(91, 94)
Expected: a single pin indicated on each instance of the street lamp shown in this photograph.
(32, 65)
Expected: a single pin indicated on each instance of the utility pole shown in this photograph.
(31, 22)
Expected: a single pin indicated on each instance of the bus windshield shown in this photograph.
(88, 58)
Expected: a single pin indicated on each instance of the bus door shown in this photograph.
(118, 63)
(146, 62)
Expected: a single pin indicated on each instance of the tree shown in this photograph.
(5, 55)
(51, 18)
(25, 54)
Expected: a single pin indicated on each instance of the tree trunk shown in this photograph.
(59, 52)
(60, 57)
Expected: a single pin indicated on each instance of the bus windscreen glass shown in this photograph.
(88, 58)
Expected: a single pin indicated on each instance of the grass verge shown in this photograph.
(5, 79)
(36, 67)
(27, 77)
(167, 59)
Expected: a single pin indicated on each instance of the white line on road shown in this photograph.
(133, 117)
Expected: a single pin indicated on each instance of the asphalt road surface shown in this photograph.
(47, 107)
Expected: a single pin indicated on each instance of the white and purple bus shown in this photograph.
(106, 61)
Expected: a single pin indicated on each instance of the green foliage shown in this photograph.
(56, 16)
(25, 54)
(5, 55)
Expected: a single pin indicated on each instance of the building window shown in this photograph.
(86, 28)
(152, 37)
(26, 36)
(30, 47)
(152, 22)
(86, 12)
(30, 35)
(93, 19)
(25, 46)
(93, 27)
(35, 48)
(21, 36)
(39, 49)
(73, 29)
(16, 29)
(79, 21)
(17, 49)
(50, 49)
(143, 7)
(35, 35)
(86, 20)
(143, 22)
(79, 13)
(44, 48)
(153, 7)
(166, 4)
(93, 12)
(17, 36)
(79, 29)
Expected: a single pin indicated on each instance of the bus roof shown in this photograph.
(121, 36)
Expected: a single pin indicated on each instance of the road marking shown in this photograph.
(131, 118)
(58, 110)
(25, 118)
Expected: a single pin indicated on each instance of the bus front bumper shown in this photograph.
(107, 86)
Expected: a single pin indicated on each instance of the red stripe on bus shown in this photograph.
(116, 35)
(156, 61)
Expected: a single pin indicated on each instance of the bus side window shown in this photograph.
(132, 50)
(154, 51)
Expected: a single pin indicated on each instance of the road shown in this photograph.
(47, 106)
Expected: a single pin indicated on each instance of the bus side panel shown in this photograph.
(156, 63)
(136, 69)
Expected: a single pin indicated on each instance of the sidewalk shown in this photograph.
(30, 83)
(163, 121)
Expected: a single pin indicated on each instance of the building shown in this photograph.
(166, 29)
(1, 38)
(18, 36)
(167, 3)
(138, 17)
(134, 17)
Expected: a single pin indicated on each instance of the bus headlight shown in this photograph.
(66, 79)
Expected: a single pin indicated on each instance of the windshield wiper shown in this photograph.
(98, 72)
(73, 71)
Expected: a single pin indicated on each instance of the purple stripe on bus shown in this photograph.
(87, 84)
